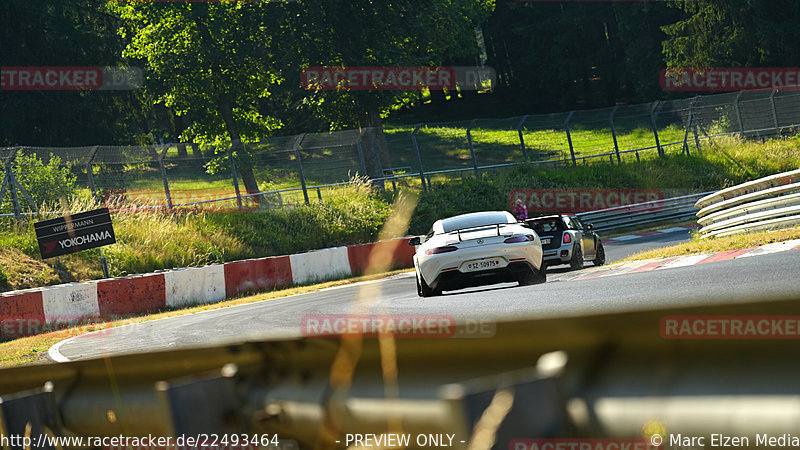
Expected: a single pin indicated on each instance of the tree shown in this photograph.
(210, 60)
(733, 33)
(64, 33)
(224, 62)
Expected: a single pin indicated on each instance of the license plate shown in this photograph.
(482, 264)
(545, 241)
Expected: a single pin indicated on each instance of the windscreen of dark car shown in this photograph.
(544, 226)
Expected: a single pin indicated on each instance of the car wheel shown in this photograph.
(423, 290)
(577, 258)
(600, 256)
(533, 276)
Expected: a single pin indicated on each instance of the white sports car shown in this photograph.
(477, 249)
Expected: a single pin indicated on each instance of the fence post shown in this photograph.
(361, 153)
(569, 138)
(471, 147)
(655, 127)
(774, 111)
(235, 176)
(164, 175)
(6, 183)
(296, 148)
(419, 157)
(614, 133)
(694, 125)
(522, 139)
(89, 173)
(739, 113)
(689, 120)
(9, 182)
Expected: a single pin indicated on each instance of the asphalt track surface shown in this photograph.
(713, 283)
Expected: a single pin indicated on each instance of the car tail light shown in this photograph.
(437, 250)
(515, 239)
(567, 238)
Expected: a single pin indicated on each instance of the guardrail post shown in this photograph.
(471, 147)
(655, 127)
(296, 148)
(739, 113)
(235, 177)
(614, 133)
(569, 138)
(419, 157)
(89, 173)
(774, 111)
(522, 139)
(164, 175)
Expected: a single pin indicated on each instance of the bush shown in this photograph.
(47, 182)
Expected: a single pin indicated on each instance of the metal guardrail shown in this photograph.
(767, 203)
(674, 209)
(600, 376)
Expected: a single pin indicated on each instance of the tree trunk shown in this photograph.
(226, 111)
(372, 119)
(246, 171)
(196, 152)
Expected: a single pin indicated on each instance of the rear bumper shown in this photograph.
(452, 280)
(561, 255)
(446, 265)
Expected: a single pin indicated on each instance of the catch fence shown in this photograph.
(310, 167)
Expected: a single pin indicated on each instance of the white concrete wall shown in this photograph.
(319, 265)
(195, 285)
(69, 302)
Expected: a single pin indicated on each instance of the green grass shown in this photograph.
(354, 214)
(151, 240)
(441, 147)
(699, 245)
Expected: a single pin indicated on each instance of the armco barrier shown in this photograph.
(674, 209)
(767, 203)
(146, 293)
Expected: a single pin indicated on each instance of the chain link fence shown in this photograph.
(312, 167)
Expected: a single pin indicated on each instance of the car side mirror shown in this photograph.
(590, 227)
(414, 241)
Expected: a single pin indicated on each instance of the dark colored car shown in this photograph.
(566, 240)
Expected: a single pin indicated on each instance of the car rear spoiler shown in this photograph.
(458, 231)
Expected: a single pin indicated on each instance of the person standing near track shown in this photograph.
(520, 210)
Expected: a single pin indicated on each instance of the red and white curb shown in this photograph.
(141, 294)
(647, 265)
(631, 237)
